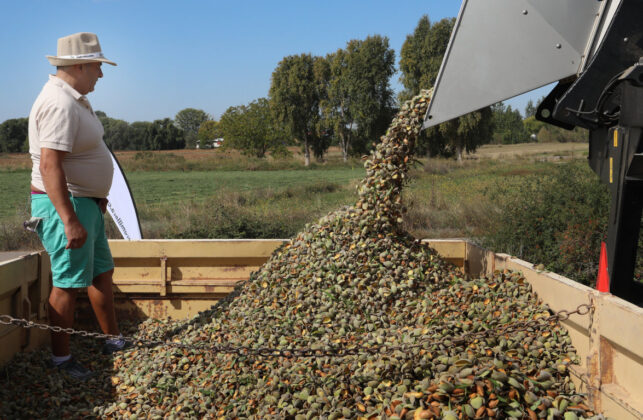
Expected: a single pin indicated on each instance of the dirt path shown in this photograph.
(504, 151)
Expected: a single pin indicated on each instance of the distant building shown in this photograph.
(211, 144)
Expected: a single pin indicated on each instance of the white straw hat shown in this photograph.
(79, 48)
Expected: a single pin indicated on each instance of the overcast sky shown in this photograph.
(202, 54)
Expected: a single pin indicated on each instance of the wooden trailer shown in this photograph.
(179, 278)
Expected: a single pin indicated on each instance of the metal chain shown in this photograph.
(338, 351)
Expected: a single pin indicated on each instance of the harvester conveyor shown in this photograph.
(594, 50)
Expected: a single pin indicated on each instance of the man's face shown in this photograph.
(90, 73)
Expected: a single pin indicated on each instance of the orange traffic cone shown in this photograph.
(603, 279)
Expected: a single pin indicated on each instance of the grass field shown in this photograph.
(520, 199)
(179, 192)
(168, 188)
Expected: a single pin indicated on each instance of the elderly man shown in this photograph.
(70, 180)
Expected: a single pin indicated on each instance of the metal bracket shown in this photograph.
(164, 276)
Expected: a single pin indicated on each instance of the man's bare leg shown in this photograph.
(62, 303)
(101, 297)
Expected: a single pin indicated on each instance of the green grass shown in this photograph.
(206, 204)
(14, 193)
(159, 189)
(153, 189)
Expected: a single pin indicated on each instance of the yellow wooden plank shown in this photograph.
(137, 273)
(557, 291)
(448, 248)
(479, 261)
(137, 289)
(620, 403)
(458, 262)
(156, 309)
(207, 283)
(179, 248)
(125, 262)
(45, 284)
(204, 272)
(195, 288)
(145, 274)
(628, 318)
(621, 357)
(214, 261)
(15, 272)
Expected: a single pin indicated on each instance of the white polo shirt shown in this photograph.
(62, 119)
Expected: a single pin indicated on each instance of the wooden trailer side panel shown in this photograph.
(24, 288)
(608, 341)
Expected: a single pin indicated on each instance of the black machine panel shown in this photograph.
(583, 103)
(607, 99)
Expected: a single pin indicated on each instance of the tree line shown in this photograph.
(343, 99)
(162, 134)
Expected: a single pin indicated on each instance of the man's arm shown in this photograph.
(53, 176)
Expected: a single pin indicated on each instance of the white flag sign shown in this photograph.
(121, 205)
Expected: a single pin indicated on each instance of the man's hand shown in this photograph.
(102, 204)
(76, 234)
(53, 176)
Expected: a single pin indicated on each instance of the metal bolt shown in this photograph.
(626, 39)
(558, 46)
(524, 12)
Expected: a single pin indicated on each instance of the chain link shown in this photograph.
(331, 351)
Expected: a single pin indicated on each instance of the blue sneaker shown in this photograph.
(75, 370)
(113, 346)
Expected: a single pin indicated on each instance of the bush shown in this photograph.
(233, 222)
(557, 220)
(14, 237)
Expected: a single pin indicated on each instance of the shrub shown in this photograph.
(557, 220)
(234, 222)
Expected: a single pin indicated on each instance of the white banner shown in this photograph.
(121, 205)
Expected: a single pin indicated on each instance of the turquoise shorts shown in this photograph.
(73, 268)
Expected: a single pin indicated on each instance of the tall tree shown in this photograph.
(509, 127)
(189, 120)
(359, 101)
(137, 135)
(294, 98)
(251, 129)
(116, 132)
(13, 135)
(463, 134)
(422, 54)
(164, 135)
(530, 109)
(421, 57)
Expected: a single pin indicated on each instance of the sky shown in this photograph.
(208, 55)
